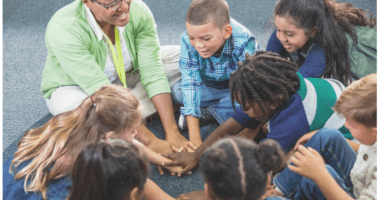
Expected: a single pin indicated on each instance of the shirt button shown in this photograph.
(365, 157)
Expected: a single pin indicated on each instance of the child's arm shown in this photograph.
(191, 91)
(310, 164)
(194, 130)
(153, 192)
(157, 159)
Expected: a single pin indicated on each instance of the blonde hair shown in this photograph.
(358, 101)
(53, 147)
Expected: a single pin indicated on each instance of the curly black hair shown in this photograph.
(264, 78)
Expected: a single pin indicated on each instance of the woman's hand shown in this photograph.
(309, 163)
(177, 141)
(184, 159)
(196, 195)
(161, 146)
(304, 139)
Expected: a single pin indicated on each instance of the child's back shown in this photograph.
(271, 90)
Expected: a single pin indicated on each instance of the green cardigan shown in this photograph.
(77, 57)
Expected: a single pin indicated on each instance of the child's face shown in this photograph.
(366, 136)
(207, 39)
(129, 134)
(252, 109)
(290, 36)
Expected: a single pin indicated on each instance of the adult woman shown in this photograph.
(88, 39)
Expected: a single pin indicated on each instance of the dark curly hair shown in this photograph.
(237, 168)
(332, 20)
(108, 170)
(264, 77)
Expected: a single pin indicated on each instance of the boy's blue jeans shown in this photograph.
(339, 158)
(217, 101)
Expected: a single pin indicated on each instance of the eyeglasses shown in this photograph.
(113, 6)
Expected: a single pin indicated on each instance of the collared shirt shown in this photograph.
(194, 68)
(110, 69)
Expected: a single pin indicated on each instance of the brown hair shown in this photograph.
(57, 144)
(205, 11)
(358, 101)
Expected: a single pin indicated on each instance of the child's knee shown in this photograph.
(176, 93)
(329, 134)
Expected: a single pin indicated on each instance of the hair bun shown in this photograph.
(270, 155)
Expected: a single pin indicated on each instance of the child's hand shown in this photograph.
(161, 146)
(272, 193)
(173, 170)
(177, 141)
(184, 159)
(196, 195)
(304, 139)
(309, 163)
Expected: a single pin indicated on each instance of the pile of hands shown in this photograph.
(306, 162)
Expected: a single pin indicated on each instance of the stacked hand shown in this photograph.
(173, 169)
(177, 141)
(184, 159)
(194, 195)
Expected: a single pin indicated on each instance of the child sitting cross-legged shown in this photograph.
(270, 90)
(210, 50)
(329, 166)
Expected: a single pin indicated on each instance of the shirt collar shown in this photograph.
(94, 25)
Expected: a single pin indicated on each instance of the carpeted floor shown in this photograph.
(24, 54)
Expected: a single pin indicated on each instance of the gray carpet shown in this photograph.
(24, 54)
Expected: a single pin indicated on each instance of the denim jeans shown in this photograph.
(339, 158)
(217, 101)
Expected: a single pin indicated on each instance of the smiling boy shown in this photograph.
(210, 50)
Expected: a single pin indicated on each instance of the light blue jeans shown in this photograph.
(339, 158)
(217, 101)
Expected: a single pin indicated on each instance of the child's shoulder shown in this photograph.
(240, 34)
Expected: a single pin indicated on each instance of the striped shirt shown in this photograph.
(307, 110)
(194, 68)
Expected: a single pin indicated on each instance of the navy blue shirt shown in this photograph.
(314, 64)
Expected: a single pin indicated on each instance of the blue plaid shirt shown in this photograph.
(194, 68)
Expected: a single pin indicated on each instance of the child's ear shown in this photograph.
(228, 30)
(313, 32)
(108, 135)
(207, 190)
(273, 105)
(134, 194)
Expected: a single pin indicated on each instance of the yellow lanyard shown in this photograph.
(118, 58)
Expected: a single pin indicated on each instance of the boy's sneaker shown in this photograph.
(206, 119)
